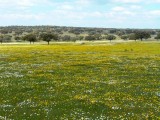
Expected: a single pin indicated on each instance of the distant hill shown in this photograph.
(16, 33)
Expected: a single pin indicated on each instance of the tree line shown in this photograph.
(56, 33)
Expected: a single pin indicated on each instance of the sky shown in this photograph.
(82, 13)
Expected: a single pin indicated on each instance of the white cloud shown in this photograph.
(77, 12)
(118, 8)
(66, 7)
(135, 7)
(21, 16)
(96, 14)
(136, 1)
(25, 3)
(155, 13)
(83, 2)
(158, 1)
(128, 1)
(22, 3)
(129, 11)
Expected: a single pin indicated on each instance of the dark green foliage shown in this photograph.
(1, 38)
(4, 31)
(98, 36)
(142, 35)
(30, 38)
(17, 38)
(77, 32)
(48, 37)
(81, 37)
(124, 37)
(18, 32)
(132, 37)
(111, 37)
(129, 31)
(5, 38)
(158, 36)
(93, 37)
(90, 37)
(113, 31)
(120, 33)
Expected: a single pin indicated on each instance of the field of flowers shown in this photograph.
(85, 82)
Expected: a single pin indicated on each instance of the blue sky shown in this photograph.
(81, 13)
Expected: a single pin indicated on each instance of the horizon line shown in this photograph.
(80, 27)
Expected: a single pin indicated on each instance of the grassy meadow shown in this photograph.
(80, 82)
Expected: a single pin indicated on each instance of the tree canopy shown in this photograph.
(110, 37)
(124, 37)
(30, 38)
(48, 37)
(142, 35)
(158, 36)
(1, 38)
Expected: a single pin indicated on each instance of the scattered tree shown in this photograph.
(17, 38)
(132, 37)
(77, 33)
(120, 33)
(142, 35)
(158, 36)
(1, 38)
(7, 38)
(48, 37)
(98, 36)
(30, 37)
(90, 37)
(112, 31)
(110, 37)
(81, 37)
(124, 37)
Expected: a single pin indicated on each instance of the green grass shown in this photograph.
(71, 81)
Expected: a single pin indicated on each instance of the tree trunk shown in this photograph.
(48, 42)
(30, 42)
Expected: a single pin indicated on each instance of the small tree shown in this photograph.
(98, 36)
(17, 38)
(158, 36)
(132, 37)
(81, 37)
(77, 33)
(90, 37)
(142, 35)
(120, 33)
(7, 38)
(1, 38)
(110, 37)
(30, 37)
(124, 37)
(48, 37)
